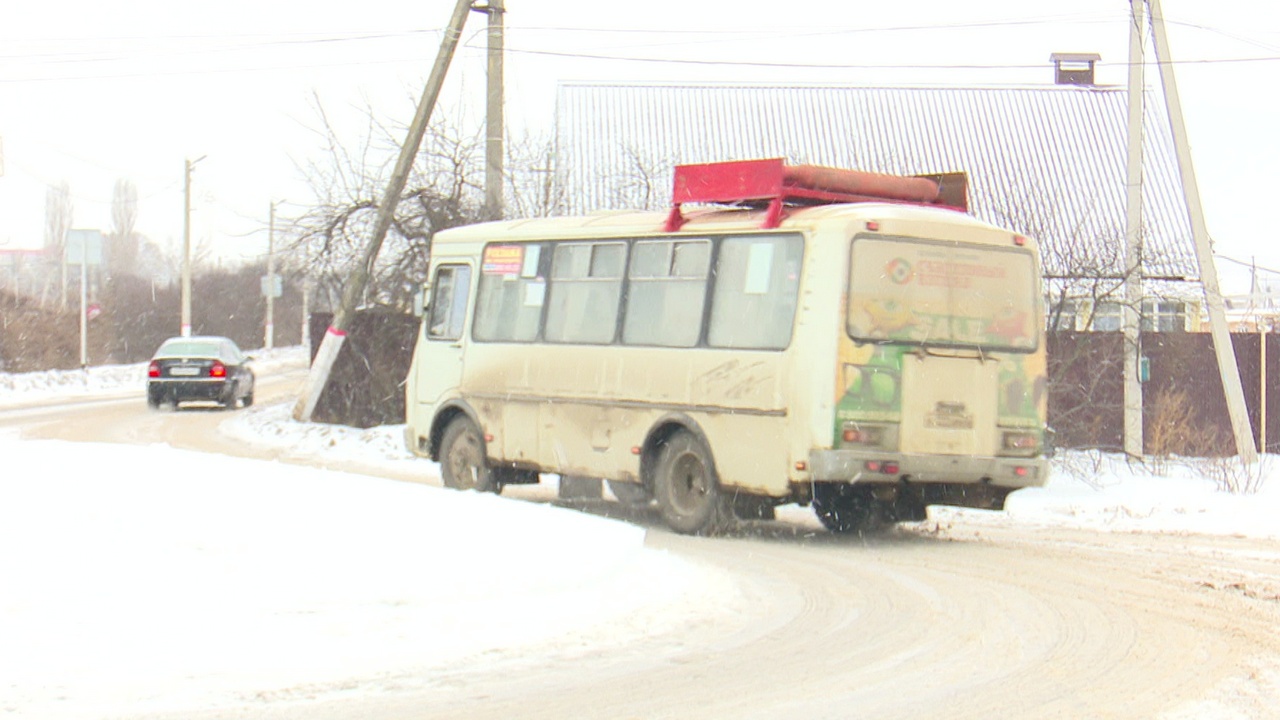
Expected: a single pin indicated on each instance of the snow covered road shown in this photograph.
(292, 593)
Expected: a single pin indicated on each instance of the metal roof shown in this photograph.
(1048, 161)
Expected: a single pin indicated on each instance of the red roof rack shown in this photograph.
(772, 183)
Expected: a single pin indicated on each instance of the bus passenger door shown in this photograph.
(439, 370)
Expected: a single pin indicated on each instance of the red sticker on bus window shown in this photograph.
(503, 260)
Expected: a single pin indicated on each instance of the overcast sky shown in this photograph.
(91, 93)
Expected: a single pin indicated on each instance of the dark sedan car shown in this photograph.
(209, 369)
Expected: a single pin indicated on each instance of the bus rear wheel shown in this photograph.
(463, 465)
(844, 508)
(686, 487)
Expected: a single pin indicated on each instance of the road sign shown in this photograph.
(82, 243)
(272, 289)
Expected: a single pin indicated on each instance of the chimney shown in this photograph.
(1073, 68)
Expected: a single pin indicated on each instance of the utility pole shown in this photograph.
(186, 245)
(1222, 347)
(494, 118)
(269, 332)
(84, 301)
(1133, 425)
(359, 278)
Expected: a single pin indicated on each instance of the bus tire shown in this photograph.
(686, 487)
(844, 508)
(463, 465)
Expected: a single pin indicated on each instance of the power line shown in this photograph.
(241, 43)
(861, 66)
(1251, 265)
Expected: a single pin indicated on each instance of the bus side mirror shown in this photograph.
(420, 300)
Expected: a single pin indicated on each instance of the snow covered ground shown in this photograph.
(132, 574)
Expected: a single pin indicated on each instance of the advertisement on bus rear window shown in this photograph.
(942, 293)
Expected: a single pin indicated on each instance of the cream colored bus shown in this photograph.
(869, 358)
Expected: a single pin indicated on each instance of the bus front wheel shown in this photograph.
(462, 458)
(844, 508)
(686, 487)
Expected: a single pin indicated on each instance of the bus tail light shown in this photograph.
(855, 434)
(1025, 472)
(1019, 442)
(877, 466)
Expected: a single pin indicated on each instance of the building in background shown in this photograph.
(1048, 160)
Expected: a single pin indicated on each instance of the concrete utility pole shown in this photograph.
(494, 119)
(186, 245)
(1222, 347)
(359, 278)
(269, 329)
(1133, 240)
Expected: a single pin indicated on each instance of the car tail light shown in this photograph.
(217, 370)
(153, 370)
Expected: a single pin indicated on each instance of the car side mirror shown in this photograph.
(248, 358)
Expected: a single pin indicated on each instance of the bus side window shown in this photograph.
(753, 304)
(586, 287)
(668, 287)
(448, 310)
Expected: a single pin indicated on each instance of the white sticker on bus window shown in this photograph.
(530, 267)
(759, 269)
(534, 293)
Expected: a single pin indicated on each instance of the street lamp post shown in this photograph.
(186, 245)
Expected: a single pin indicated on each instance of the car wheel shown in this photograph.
(844, 508)
(463, 465)
(687, 489)
(248, 400)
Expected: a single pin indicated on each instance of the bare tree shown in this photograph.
(123, 248)
(58, 211)
(534, 188)
(445, 189)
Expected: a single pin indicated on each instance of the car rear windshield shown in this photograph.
(932, 292)
(188, 348)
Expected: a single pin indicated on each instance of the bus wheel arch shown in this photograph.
(444, 417)
(679, 467)
(464, 462)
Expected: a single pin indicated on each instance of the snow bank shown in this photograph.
(147, 579)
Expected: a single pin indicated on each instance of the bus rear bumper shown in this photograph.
(859, 467)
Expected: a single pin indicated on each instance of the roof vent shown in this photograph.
(1073, 68)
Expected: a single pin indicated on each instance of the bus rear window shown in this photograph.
(942, 293)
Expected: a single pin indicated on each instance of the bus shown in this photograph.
(850, 341)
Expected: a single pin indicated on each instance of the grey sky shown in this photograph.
(90, 94)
